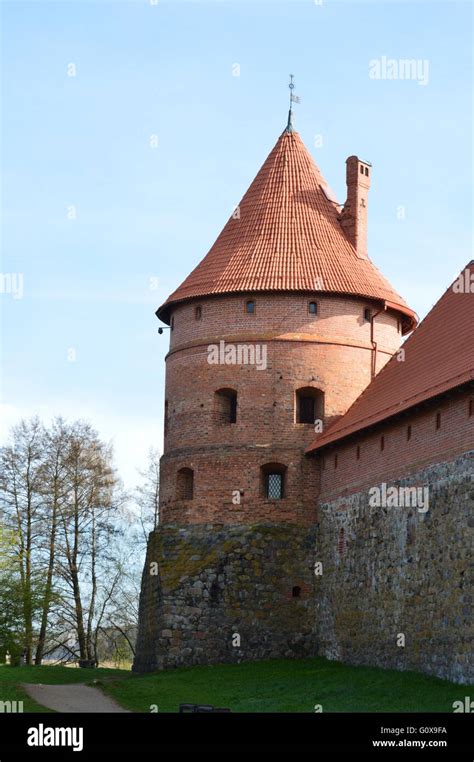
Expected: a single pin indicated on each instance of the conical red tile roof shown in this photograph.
(286, 237)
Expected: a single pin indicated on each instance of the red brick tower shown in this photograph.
(281, 325)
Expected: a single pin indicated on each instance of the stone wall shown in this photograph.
(391, 571)
(217, 582)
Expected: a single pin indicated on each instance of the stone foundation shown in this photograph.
(215, 583)
(390, 572)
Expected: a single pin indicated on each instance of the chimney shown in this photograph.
(354, 214)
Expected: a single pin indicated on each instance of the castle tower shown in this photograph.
(273, 336)
(282, 324)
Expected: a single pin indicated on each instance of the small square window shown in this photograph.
(250, 307)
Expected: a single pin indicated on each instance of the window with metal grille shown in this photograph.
(274, 486)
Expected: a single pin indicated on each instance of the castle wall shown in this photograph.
(391, 571)
(217, 582)
(427, 444)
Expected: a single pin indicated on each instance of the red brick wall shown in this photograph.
(400, 456)
(331, 352)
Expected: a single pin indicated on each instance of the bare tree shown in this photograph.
(147, 494)
(20, 472)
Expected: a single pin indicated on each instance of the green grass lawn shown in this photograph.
(268, 686)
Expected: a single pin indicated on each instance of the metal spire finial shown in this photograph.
(293, 99)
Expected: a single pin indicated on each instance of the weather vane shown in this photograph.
(293, 99)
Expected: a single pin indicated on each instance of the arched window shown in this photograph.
(250, 307)
(313, 308)
(309, 405)
(273, 478)
(367, 315)
(225, 406)
(185, 484)
(198, 312)
(296, 592)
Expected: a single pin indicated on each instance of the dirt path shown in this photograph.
(72, 698)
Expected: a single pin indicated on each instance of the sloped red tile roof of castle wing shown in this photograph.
(438, 356)
(286, 236)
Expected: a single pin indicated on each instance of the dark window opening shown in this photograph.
(335, 461)
(438, 420)
(471, 407)
(225, 406)
(382, 443)
(172, 323)
(341, 542)
(214, 593)
(185, 484)
(273, 481)
(358, 452)
(367, 171)
(367, 315)
(198, 312)
(296, 592)
(408, 433)
(411, 529)
(250, 307)
(361, 169)
(313, 308)
(309, 405)
(166, 418)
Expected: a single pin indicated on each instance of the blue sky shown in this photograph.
(145, 216)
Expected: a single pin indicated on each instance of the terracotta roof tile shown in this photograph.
(287, 238)
(439, 356)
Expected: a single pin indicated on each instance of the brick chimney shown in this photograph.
(354, 214)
